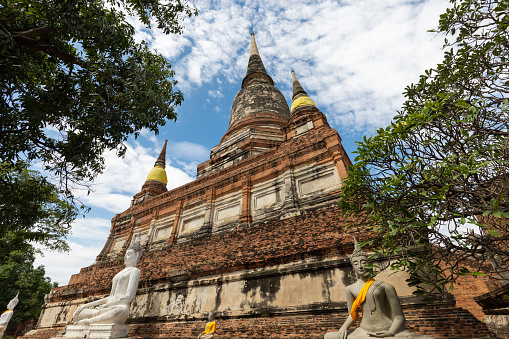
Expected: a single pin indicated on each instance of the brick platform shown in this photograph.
(442, 322)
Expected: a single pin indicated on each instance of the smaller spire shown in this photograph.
(161, 161)
(299, 97)
(298, 91)
(157, 173)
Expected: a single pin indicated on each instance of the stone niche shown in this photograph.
(267, 198)
(162, 229)
(226, 209)
(192, 221)
(118, 244)
(314, 179)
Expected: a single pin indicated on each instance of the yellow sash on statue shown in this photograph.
(211, 327)
(360, 299)
(6, 312)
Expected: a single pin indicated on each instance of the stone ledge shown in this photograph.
(95, 331)
(407, 303)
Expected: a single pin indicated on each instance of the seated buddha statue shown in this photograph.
(7, 315)
(382, 316)
(210, 328)
(114, 309)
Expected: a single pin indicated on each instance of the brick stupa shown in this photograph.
(257, 238)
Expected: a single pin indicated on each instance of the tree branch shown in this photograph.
(35, 32)
(48, 49)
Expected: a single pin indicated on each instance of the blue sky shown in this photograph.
(354, 58)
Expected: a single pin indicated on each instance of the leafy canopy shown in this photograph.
(432, 186)
(75, 82)
(31, 211)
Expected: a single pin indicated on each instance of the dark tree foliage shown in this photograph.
(73, 84)
(31, 211)
(74, 81)
(17, 274)
(433, 186)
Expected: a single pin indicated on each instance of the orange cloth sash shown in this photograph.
(6, 312)
(360, 299)
(211, 327)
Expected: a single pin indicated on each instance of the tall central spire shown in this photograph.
(255, 69)
(259, 113)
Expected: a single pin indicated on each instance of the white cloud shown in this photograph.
(188, 151)
(150, 136)
(215, 94)
(353, 57)
(86, 242)
(189, 168)
(90, 230)
(60, 266)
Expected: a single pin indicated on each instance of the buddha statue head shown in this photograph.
(13, 302)
(134, 252)
(359, 259)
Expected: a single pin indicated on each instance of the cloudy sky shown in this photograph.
(353, 57)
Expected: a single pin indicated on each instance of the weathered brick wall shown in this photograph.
(316, 233)
(44, 333)
(469, 287)
(439, 322)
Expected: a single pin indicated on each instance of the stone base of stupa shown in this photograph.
(98, 331)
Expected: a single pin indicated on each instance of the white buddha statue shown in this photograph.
(7, 315)
(382, 316)
(114, 309)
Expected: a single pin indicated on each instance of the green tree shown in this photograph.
(75, 83)
(31, 211)
(17, 274)
(432, 188)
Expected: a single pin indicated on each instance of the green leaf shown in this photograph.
(478, 274)
(497, 214)
(493, 233)
(474, 111)
(494, 202)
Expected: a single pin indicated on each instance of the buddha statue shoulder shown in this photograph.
(382, 315)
